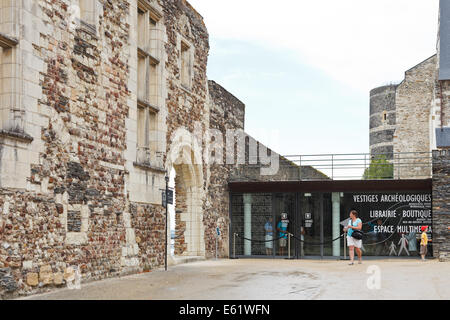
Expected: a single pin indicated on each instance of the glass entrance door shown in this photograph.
(285, 219)
(311, 216)
(315, 214)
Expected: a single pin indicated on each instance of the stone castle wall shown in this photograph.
(71, 210)
(382, 120)
(413, 107)
(77, 191)
(72, 190)
(440, 119)
(422, 106)
(441, 209)
(400, 121)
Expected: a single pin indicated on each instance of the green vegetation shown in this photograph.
(379, 168)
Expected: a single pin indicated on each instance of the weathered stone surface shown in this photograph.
(46, 275)
(382, 119)
(32, 279)
(58, 278)
(72, 194)
(441, 207)
(68, 273)
(400, 119)
(7, 282)
(413, 110)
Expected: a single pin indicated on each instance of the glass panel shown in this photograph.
(143, 26)
(310, 208)
(327, 225)
(142, 79)
(237, 224)
(285, 220)
(260, 215)
(250, 215)
(185, 65)
(154, 92)
(391, 221)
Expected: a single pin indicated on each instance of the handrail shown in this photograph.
(402, 165)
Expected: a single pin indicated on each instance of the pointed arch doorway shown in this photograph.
(186, 216)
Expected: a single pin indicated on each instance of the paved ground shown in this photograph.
(274, 279)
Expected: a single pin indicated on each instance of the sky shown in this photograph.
(304, 68)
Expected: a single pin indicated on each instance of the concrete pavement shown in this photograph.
(245, 279)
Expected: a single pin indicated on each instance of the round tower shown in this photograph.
(382, 120)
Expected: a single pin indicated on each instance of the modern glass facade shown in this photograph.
(391, 223)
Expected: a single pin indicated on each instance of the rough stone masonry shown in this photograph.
(420, 106)
(97, 100)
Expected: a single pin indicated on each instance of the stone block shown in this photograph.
(58, 278)
(32, 279)
(27, 265)
(46, 274)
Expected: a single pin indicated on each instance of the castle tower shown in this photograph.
(382, 120)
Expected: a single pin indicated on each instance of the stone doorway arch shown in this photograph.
(189, 196)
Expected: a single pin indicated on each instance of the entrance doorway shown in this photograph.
(316, 219)
(186, 217)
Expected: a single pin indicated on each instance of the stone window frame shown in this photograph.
(148, 85)
(186, 63)
(12, 111)
(384, 117)
(88, 19)
(73, 237)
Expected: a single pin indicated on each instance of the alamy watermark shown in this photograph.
(73, 279)
(374, 281)
(213, 146)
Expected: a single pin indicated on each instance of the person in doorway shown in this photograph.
(283, 233)
(354, 223)
(423, 242)
(269, 236)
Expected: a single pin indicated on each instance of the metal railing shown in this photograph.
(367, 166)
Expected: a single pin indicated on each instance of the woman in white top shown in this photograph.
(354, 224)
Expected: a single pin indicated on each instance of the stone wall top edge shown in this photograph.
(216, 90)
(421, 64)
(193, 9)
(381, 89)
(188, 9)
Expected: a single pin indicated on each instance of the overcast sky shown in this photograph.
(304, 68)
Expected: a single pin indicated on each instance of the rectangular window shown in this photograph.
(73, 221)
(384, 117)
(185, 65)
(154, 85)
(4, 111)
(143, 27)
(147, 83)
(7, 17)
(11, 113)
(87, 13)
(141, 138)
(147, 135)
(152, 132)
(142, 78)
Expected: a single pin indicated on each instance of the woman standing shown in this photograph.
(354, 224)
